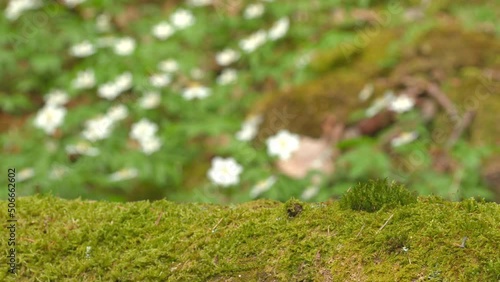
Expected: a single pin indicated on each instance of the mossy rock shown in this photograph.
(342, 76)
(75, 240)
(458, 58)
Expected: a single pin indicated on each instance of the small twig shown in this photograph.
(460, 127)
(359, 233)
(213, 228)
(443, 100)
(158, 219)
(328, 231)
(387, 221)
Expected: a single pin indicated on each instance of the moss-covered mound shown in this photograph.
(62, 240)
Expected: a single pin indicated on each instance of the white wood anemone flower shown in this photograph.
(249, 128)
(254, 41)
(82, 49)
(401, 104)
(253, 11)
(84, 79)
(150, 145)
(196, 92)
(283, 144)
(124, 46)
(56, 98)
(262, 186)
(227, 57)
(168, 66)
(404, 138)
(49, 118)
(224, 172)
(143, 130)
(279, 29)
(163, 30)
(150, 100)
(182, 19)
(98, 128)
(117, 113)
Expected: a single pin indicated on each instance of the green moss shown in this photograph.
(255, 241)
(375, 195)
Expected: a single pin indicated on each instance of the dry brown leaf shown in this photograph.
(313, 154)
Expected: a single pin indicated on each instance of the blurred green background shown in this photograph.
(182, 100)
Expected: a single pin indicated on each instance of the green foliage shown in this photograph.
(35, 59)
(374, 195)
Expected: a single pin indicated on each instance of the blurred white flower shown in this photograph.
(401, 104)
(227, 57)
(97, 128)
(150, 100)
(16, 7)
(224, 172)
(163, 30)
(279, 29)
(84, 79)
(160, 80)
(82, 49)
(182, 19)
(303, 60)
(124, 46)
(124, 81)
(262, 186)
(196, 91)
(197, 73)
(73, 3)
(57, 172)
(366, 92)
(103, 23)
(168, 66)
(82, 148)
(249, 128)
(124, 174)
(199, 3)
(380, 103)
(49, 118)
(143, 130)
(150, 145)
(108, 91)
(113, 89)
(227, 76)
(253, 11)
(310, 192)
(254, 41)
(56, 98)
(117, 113)
(404, 138)
(283, 144)
(25, 174)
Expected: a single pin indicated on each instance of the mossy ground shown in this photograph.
(255, 241)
